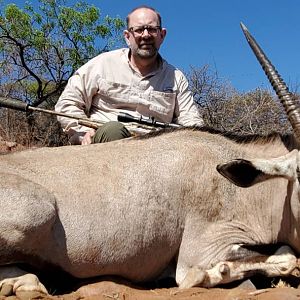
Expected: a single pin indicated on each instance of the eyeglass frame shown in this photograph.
(143, 27)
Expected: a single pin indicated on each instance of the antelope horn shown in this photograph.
(281, 89)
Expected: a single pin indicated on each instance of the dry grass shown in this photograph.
(280, 284)
(37, 130)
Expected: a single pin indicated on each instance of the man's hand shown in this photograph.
(87, 138)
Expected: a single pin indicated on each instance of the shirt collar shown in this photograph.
(161, 62)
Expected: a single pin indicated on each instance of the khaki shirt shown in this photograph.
(108, 85)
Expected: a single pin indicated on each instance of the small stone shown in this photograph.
(247, 285)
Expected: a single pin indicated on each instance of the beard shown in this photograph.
(146, 51)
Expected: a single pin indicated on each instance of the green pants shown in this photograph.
(111, 131)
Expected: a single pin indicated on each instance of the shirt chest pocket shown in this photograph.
(112, 92)
(147, 102)
(163, 104)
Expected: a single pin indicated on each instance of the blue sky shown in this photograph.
(208, 32)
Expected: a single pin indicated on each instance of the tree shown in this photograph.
(255, 112)
(209, 92)
(41, 48)
(224, 108)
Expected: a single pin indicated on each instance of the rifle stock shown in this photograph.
(144, 125)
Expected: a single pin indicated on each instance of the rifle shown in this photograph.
(137, 123)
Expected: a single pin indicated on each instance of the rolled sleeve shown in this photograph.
(186, 111)
(76, 100)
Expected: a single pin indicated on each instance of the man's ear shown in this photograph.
(246, 173)
(126, 35)
(163, 33)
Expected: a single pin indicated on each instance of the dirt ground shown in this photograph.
(108, 290)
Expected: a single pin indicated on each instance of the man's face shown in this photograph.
(144, 35)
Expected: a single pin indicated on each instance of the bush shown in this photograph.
(224, 108)
(34, 130)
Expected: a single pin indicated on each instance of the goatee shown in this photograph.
(147, 53)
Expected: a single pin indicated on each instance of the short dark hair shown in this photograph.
(148, 7)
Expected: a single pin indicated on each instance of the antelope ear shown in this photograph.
(245, 173)
(241, 172)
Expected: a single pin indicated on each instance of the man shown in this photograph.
(135, 80)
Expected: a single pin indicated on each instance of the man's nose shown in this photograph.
(146, 32)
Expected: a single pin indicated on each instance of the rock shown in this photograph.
(247, 285)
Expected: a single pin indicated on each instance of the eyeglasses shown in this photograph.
(139, 30)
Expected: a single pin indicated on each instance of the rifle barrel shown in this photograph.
(123, 117)
(22, 106)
